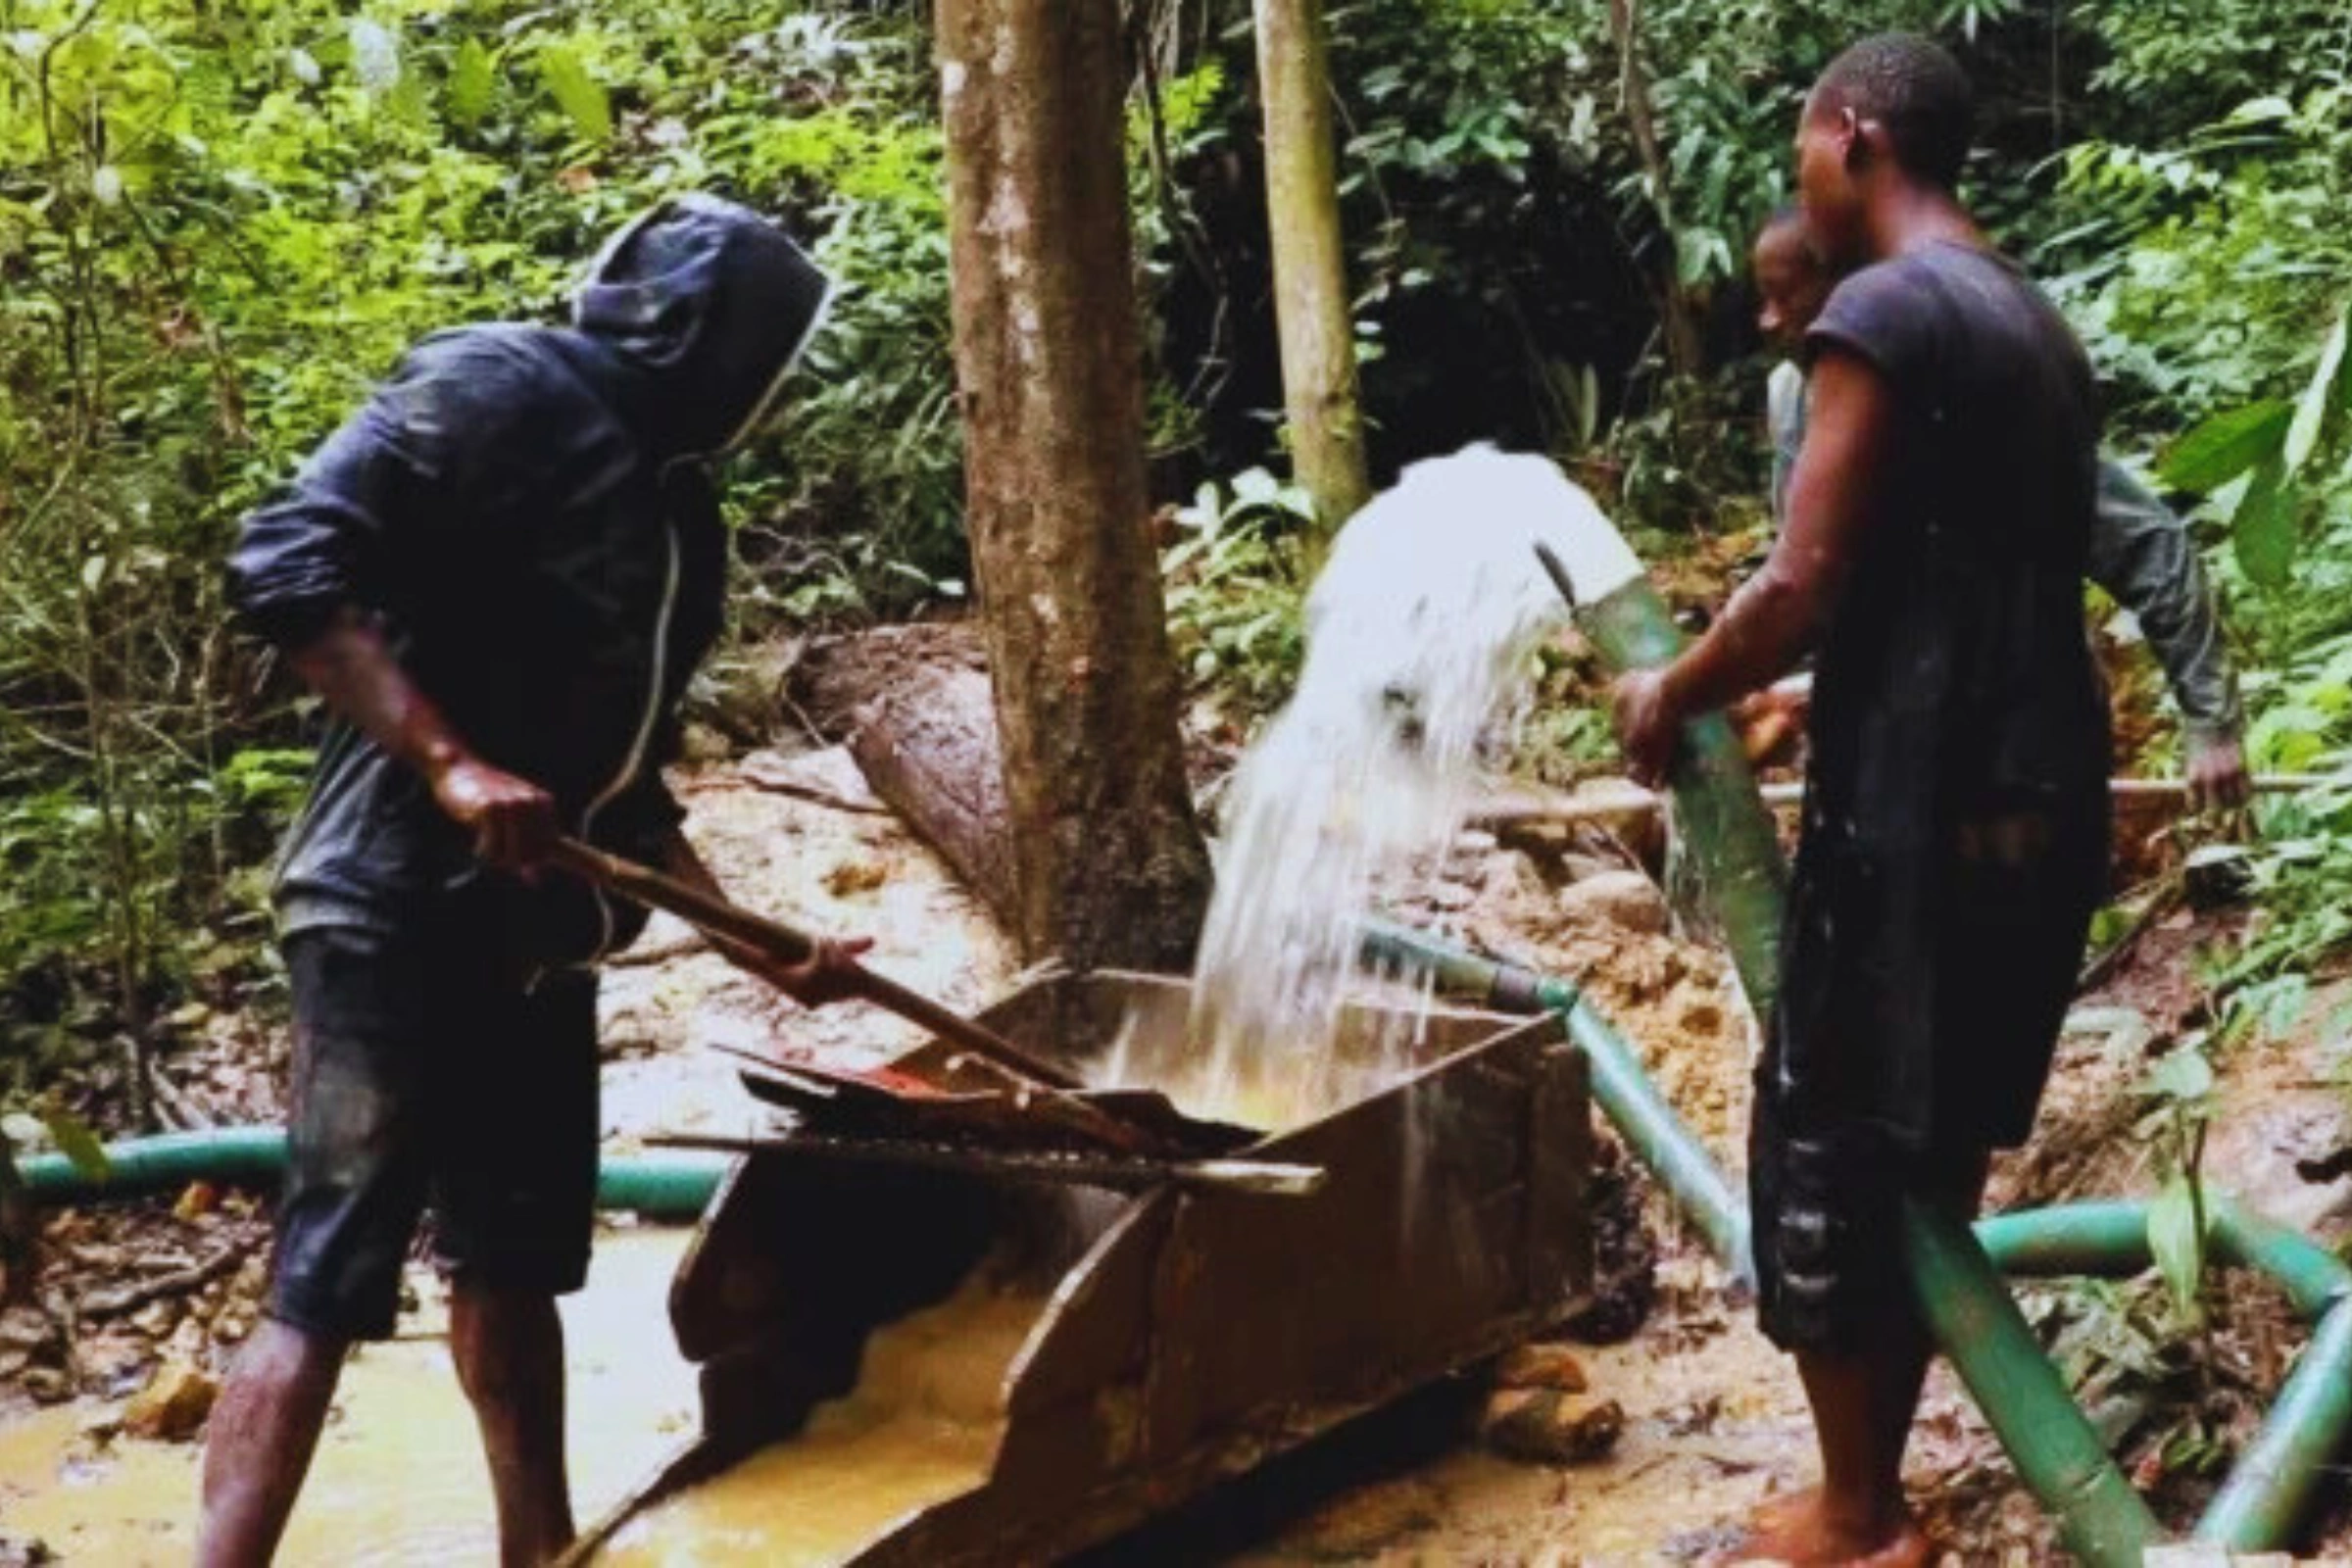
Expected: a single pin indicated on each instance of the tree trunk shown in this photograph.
(1683, 351)
(1310, 269)
(1048, 357)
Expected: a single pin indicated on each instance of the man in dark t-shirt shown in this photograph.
(1954, 836)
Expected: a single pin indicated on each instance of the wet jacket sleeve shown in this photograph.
(2141, 554)
(373, 495)
(1785, 425)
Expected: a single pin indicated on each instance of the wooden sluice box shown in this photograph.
(921, 1367)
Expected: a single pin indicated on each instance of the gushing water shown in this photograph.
(1419, 632)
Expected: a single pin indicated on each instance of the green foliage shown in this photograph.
(1236, 587)
(218, 223)
(2182, 1088)
(2272, 447)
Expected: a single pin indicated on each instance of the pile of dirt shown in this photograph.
(1582, 910)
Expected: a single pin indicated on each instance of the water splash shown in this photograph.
(1419, 631)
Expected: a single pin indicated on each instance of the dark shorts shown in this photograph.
(1825, 1206)
(425, 1073)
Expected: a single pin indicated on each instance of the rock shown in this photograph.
(1626, 898)
(1452, 897)
(26, 1331)
(25, 1551)
(189, 1341)
(855, 876)
(46, 1385)
(1576, 868)
(197, 1200)
(155, 1319)
(1541, 1366)
(100, 1426)
(1548, 1427)
(171, 1408)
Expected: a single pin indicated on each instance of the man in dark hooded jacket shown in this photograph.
(500, 575)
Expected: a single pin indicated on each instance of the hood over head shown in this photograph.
(712, 304)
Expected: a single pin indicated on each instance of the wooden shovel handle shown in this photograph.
(732, 925)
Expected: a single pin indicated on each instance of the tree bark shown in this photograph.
(1683, 350)
(1310, 266)
(1048, 356)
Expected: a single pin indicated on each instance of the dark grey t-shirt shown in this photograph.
(1953, 842)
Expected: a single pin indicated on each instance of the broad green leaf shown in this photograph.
(2263, 532)
(2318, 400)
(473, 84)
(2184, 1075)
(2226, 446)
(577, 93)
(2257, 111)
(75, 1141)
(2176, 1241)
(1255, 487)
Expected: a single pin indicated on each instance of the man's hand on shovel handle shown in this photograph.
(512, 821)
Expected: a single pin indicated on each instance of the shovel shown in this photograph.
(1128, 1121)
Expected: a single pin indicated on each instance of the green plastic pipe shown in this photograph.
(659, 1185)
(2056, 1451)
(1632, 1102)
(1726, 830)
(2260, 1504)
(2268, 1490)
(2104, 1238)
(2316, 1278)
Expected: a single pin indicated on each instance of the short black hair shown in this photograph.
(1916, 89)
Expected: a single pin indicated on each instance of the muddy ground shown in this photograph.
(1713, 1421)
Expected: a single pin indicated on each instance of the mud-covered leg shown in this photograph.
(509, 1347)
(262, 1434)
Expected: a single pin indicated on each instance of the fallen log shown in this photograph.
(914, 705)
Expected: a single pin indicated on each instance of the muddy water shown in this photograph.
(922, 1426)
(399, 1477)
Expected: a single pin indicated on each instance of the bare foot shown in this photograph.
(1802, 1530)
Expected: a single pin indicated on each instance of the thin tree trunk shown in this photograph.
(1683, 351)
(19, 1233)
(1049, 355)
(1310, 266)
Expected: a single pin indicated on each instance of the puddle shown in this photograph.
(399, 1477)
